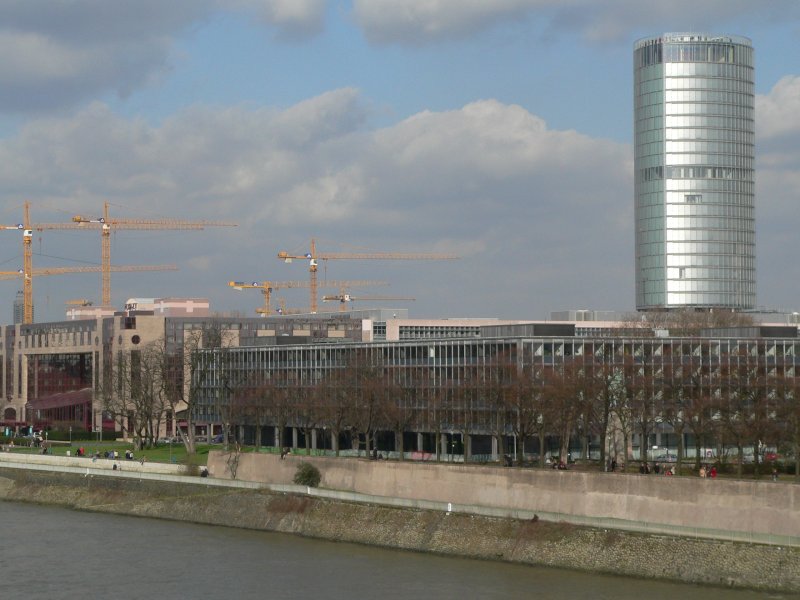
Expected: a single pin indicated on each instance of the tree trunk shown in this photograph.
(681, 449)
(756, 469)
(398, 443)
(643, 444)
(740, 453)
(520, 449)
(542, 450)
(603, 438)
(697, 445)
(335, 441)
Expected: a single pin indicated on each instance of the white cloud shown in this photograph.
(777, 191)
(530, 209)
(292, 18)
(778, 112)
(77, 50)
(542, 218)
(425, 21)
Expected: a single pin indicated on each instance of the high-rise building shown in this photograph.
(694, 172)
(19, 308)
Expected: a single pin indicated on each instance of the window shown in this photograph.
(693, 198)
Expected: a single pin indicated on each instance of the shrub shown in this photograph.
(307, 475)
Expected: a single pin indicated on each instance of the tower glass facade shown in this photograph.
(694, 172)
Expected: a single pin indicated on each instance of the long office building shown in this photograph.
(694, 172)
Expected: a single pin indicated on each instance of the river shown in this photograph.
(56, 553)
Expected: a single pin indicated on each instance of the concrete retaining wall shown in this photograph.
(757, 510)
(511, 540)
(134, 466)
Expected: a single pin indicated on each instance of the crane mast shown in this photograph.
(106, 224)
(314, 257)
(267, 287)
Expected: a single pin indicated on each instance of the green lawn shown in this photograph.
(176, 453)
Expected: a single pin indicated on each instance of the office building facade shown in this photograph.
(694, 172)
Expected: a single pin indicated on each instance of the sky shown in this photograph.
(495, 130)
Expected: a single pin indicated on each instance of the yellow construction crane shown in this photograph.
(27, 278)
(282, 310)
(27, 229)
(314, 257)
(267, 287)
(343, 298)
(107, 224)
(79, 302)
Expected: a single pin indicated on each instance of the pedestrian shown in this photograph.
(774, 474)
(613, 465)
(713, 472)
(702, 472)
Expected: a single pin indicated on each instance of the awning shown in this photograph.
(75, 398)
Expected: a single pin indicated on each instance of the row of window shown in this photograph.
(718, 52)
(683, 223)
(710, 235)
(709, 273)
(733, 299)
(707, 134)
(682, 122)
(655, 262)
(657, 108)
(708, 108)
(710, 223)
(651, 206)
(698, 171)
(646, 236)
(710, 172)
(729, 187)
(743, 263)
(714, 96)
(709, 161)
(744, 248)
(717, 121)
(706, 253)
(690, 69)
(653, 81)
(735, 148)
(742, 86)
(713, 153)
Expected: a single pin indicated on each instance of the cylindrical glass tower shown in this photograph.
(694, 172)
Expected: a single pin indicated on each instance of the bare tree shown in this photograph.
(333, 405)
(134, 394)
(399, 408)
(526, 403)
(691, 322)
(369, 387)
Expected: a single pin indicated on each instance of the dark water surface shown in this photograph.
(55, 553)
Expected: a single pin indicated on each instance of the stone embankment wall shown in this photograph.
(752, 510)
(522, 541)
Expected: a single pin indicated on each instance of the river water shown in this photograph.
(56, 553)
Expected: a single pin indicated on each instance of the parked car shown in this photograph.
(218, 439)
(169, 440)
(201, 439)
